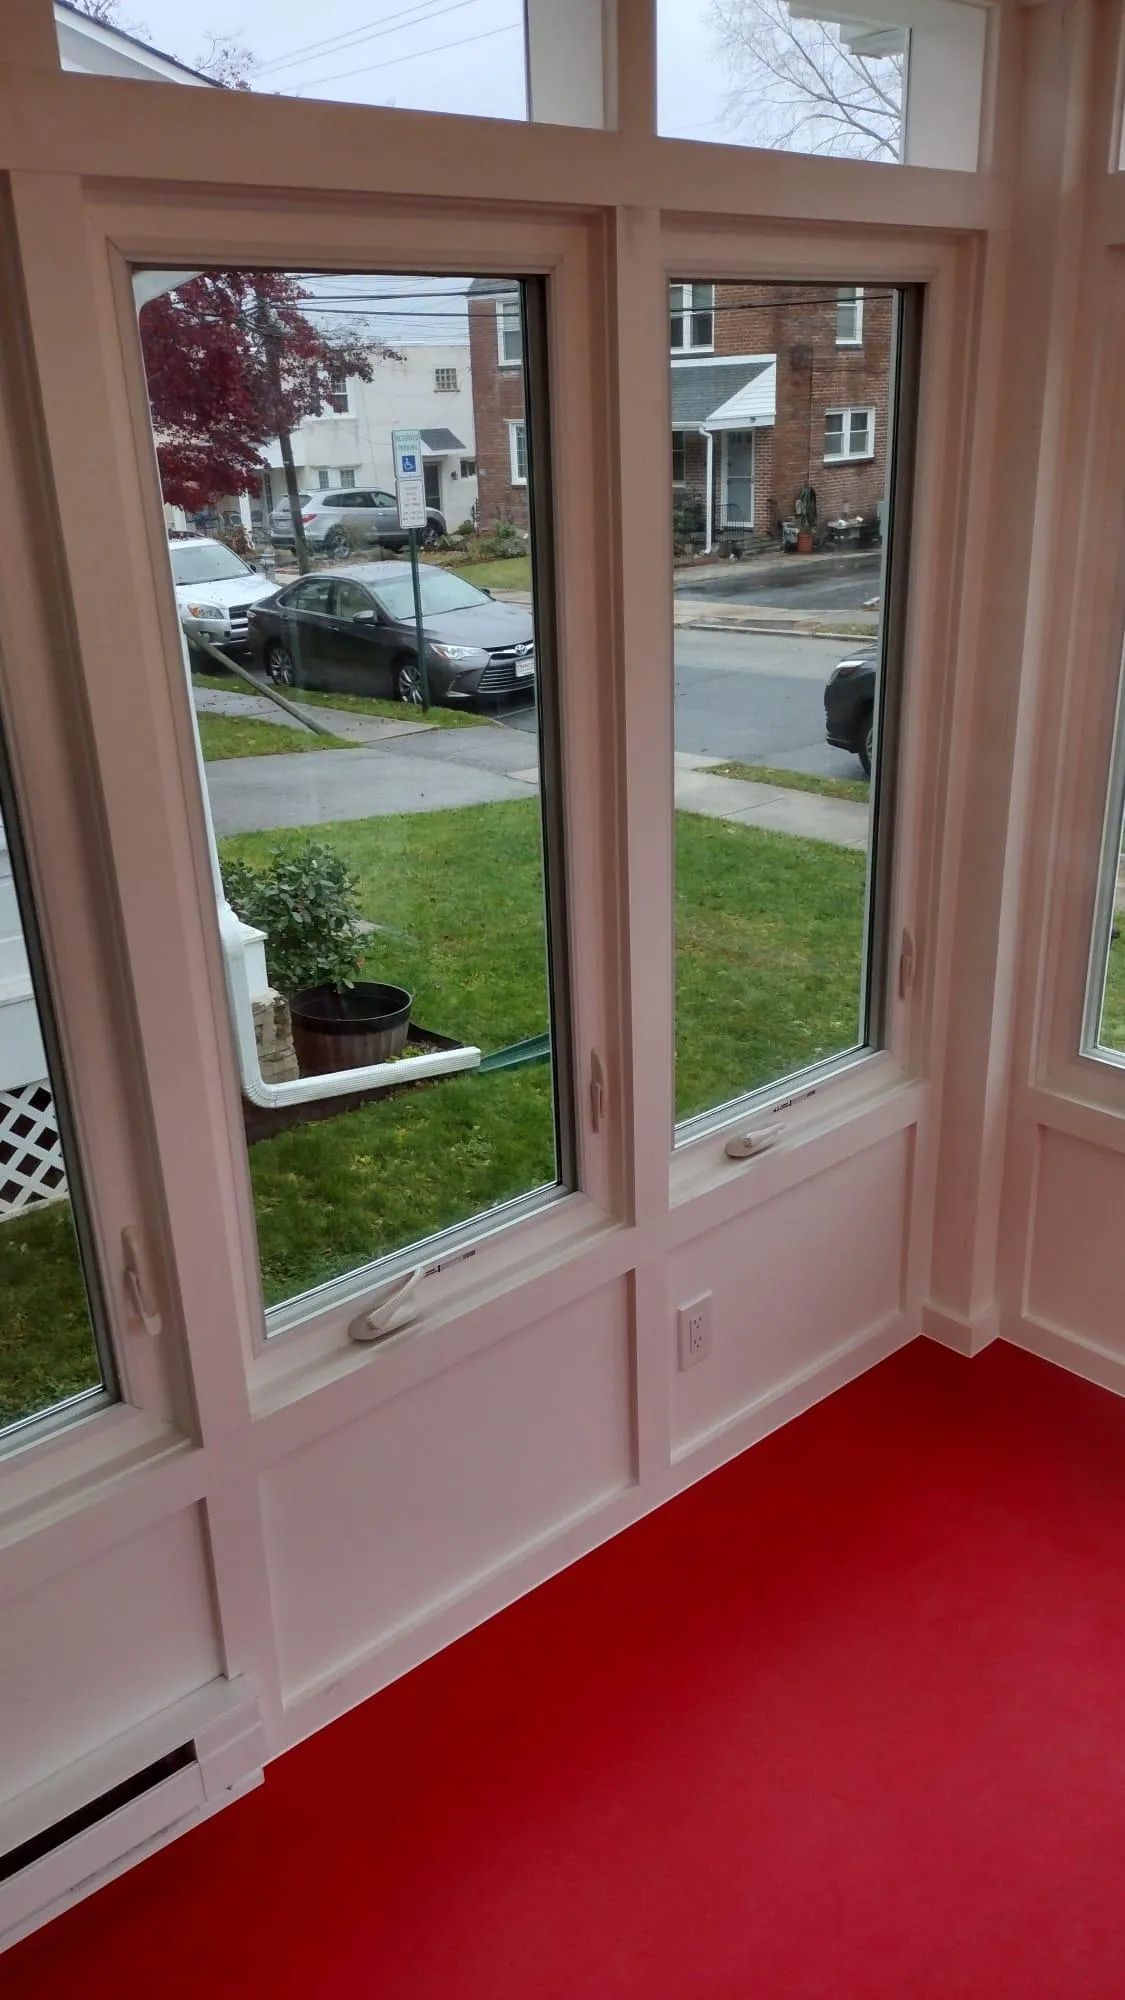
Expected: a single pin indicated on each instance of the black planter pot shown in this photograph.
(363, 1024)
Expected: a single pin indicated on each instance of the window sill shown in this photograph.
(681, 351)
(849, 458)
(849, 343)
(504, 1281)
(45, 1479)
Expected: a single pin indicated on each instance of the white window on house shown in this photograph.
(445, 380)
(848, 434)
(347, 475)
(509, 334)
(692, 317)
(338, 395)
(468, 468)
(517, 452)
(679, 458)
(849, 316)
(323, 478)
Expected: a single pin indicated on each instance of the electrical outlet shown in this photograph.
(693, 1329)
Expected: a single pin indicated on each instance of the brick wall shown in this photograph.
(797, 324)
(497, 400)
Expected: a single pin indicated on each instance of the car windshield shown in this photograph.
(440, 592)
(206, 562)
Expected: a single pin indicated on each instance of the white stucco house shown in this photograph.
(429, 389)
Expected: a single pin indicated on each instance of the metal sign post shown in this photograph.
(410, 493)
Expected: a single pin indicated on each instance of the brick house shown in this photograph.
(774, 388)
(496, 361)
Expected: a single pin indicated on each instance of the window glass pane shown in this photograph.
(463, 56)
(779, 586)
(1104, 1033)
(393, 863)
(48, 1351)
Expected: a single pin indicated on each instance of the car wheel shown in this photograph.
(866, 741)
(279, 665)
(431, 536)
(336, 544)
(408, 683)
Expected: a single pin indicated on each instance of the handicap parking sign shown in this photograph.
(409, 463)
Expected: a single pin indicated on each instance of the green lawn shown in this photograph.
(1112, 1031)
(795, 781)
(355, 704)
(235, 736)
(509, 573)
(768, 940)
(46, 1345)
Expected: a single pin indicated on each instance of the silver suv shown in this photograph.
(343, 518)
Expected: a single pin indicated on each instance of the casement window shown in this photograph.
(849, 316)
(509, 333)
(445, 381)
(779, 889)
(848, 434)
(692, 318)
(453, 1102)
(338, 395)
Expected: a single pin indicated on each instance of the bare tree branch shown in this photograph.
(796, 86)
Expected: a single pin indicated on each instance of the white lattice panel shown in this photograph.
(31, 1161)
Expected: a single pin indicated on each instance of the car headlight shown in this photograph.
(205, 610)
(458, 652)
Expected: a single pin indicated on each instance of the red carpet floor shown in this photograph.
(847, 1720)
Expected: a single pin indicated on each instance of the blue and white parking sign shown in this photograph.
(409, 463)
(406, 448)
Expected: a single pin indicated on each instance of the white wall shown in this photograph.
(400, 393)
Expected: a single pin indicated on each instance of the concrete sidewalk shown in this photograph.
(808, 815)
(698, 613)
(342, 722)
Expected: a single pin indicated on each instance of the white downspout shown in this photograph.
(709, 435)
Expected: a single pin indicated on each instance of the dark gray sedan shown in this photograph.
(351, 630)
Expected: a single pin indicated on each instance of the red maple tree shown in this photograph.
(232, 362)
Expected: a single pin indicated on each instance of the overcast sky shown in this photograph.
(432, 55)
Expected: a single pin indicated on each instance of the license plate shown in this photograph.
(524, 669)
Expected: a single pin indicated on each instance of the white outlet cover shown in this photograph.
(693, 1330)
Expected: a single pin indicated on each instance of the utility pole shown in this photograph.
(268, 335)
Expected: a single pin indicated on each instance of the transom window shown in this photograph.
(692, 310)
(849, 433)
(849, 316)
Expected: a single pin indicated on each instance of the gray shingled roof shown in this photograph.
(696, 391)
(441, 440)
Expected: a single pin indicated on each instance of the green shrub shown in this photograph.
(306, 900)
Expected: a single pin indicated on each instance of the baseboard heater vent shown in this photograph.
(87, 1823)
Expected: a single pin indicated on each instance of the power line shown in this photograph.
(436, 49)
(369, 31)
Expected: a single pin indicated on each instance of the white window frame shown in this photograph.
(468, 468)
(849, 299)
(517, 432)
(330, 409)
(448, 387)
(847, 411)
(323, 478)
(688, 312)
(507, 312)
(348, 475)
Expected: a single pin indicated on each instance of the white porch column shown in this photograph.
(592, 63)
(710, 436)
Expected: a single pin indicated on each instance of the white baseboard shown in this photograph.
(964, 1336)
(1068, 1350)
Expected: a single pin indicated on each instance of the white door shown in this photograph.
(738, 479)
